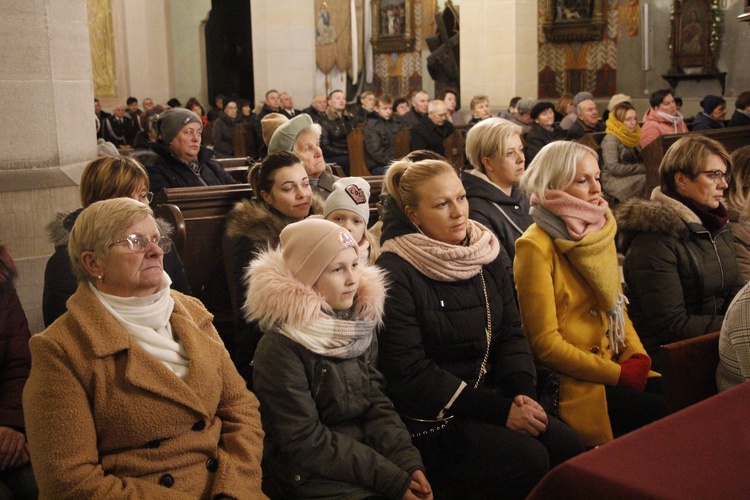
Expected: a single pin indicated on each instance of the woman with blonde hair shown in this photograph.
(104, 178)
(495, 149)
(572, 306)
(456, 363)
(623, 171)
(132, 393)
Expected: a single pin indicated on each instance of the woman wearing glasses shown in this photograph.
(680, 265)
(104, 178)
(131, 392)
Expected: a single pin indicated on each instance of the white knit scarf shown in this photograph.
(334, 338)
(146, 319)
(443, 261)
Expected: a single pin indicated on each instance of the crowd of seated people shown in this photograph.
(488, 339)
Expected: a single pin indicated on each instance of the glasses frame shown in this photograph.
(138, 243)
(149, 196)
(717, 175)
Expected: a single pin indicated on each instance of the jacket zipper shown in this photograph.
(721, 267)
(323, 373)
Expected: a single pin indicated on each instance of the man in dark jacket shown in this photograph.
(317, 109)
(336, 124)
(587, 122)
(419, 108)
(102, 115)
(379, 133)
(429, 134)
(118, 128)
(741, 115)
(177, 159)
(713, 114)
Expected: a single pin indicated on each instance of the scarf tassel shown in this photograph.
(616, 321)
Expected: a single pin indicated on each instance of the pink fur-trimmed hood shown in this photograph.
(275, 297)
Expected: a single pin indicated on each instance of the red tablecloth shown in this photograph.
(701, 452)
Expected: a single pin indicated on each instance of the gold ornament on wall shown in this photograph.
(101, 37)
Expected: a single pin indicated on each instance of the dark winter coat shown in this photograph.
(703, 121)
(412, 118)
(119, 133)
(507, 216)
(739, 119)
(434, 338)
(579, 129)
(427, 135)
(165, 170)
(15, 357)
(538, 137)
(60, 283)
(314, 114)
(330, 430)
(379, 141)
(680, 279)
(253, 226)
(335, 129)
(222, 136)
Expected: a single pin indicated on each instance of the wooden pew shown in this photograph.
(689, 370)
(198, 216)
(243, 140)
(236, 167)
(455, 150)
(355, 141)
(731, 138)
(402, 143)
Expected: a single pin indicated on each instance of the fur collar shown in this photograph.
(59, 228)
(660, 214)
(255, 220)
(275, 297)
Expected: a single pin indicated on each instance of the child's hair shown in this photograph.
(374, 247)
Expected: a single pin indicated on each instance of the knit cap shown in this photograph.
(270, 123)
(617, 99)
(540, 108)
(284, 136)
(350, 193)
(173, 120)
(582, 96)
(308, 246)
(525, 105)
(711, 102)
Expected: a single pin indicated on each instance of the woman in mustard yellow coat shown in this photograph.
(571, 301)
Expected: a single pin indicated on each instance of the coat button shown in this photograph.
(212, 465)
(166, 480)
(595, 349)
(199, 425)
(593, 312)
(297, 477)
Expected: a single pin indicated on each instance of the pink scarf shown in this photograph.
(580, 217)
(443, 261)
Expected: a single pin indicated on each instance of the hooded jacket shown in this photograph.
(254, 227)
(60, 282)
(680, 278)
(434, 337)
(330, 430)
(655, 125)
(165, 170)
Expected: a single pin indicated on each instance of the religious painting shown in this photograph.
(692, 25)
(692, 33)
(392, 26)
(574, 20)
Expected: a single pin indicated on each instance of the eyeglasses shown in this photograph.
(146, 197)
(717, 175)
(138, 243)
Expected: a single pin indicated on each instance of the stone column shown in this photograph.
(498, 51)
(48, 132)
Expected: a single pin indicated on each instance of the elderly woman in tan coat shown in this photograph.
(131, 392)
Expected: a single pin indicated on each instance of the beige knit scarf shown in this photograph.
(443, 261)
(335, 338)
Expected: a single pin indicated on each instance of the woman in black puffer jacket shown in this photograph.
(457, 365)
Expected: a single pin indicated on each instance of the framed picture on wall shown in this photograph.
(392, 26)
(692, 25)
(574, 20)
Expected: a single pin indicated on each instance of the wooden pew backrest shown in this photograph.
(689, 370)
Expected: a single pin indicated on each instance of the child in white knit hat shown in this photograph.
(330, 430)
(348, 206)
